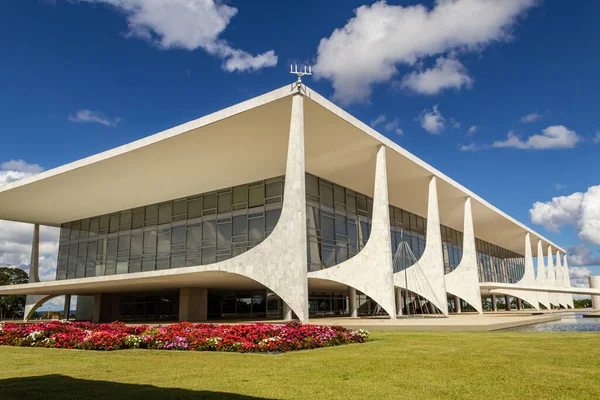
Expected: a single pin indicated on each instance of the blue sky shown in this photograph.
(80, 77)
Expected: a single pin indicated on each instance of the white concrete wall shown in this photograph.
(370, 271)
(464, 280)
(431, 263)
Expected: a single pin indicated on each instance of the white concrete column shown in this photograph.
(507, 303)
(398, 301)
(494, 303)
(567, 278)
(32, 302)
(595, 284)
(519, 304)
(542, 276)
(457, 304)
(287, 312)
(97, 308)
(554, 298)
(193, 304)
(371, 270)
(67, 307)
(464, 280)
(431, 264)
(352, 302)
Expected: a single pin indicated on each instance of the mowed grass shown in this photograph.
(393, 365)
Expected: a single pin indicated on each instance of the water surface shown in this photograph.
(571, 322)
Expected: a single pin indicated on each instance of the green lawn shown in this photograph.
(393, 365)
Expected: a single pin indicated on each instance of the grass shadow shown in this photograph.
(65, 387)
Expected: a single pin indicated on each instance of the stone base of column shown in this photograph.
(193, 304)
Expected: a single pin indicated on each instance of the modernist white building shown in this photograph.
(278, 206)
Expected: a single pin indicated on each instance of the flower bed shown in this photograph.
(255, 338)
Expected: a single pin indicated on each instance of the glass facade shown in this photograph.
(452, 248)
(149, 307)
(408, 227)
(497, 264)
(338, 222)
(195, 230)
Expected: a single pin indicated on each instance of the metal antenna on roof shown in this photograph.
(300, 73)
(294, 70)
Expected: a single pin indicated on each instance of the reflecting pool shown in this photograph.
(571, 322)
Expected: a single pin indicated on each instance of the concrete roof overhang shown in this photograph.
(245, 143)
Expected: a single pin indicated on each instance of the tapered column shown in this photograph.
(370, 271)
(494, 303)
(457, 304)
(560, 282)
(428, 273)
(542, 276)
(464, 280)
(507, 303)
(567, 279)
(554, 299)
(519, 304)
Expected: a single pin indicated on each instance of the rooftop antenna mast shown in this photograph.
(300, 73)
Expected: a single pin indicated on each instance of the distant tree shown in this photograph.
(583, 303)
(12, 305)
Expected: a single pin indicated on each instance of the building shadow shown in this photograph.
(65, 387)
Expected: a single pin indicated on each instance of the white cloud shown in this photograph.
(559, 186)
(15, 170)
(579, 276)
(552, 137)
(581, 255)
(472, 130)
(95, 117)
(368, 49)
(394, 126)
(470, 147)
(188, 25)
(446, 74)
(379, 120)
(454, 123)
(530, 118)
(579, 209)
(432, 121)
(596, 138)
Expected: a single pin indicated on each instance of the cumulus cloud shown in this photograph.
(581, 255)
(446, 74)
(94, 117)
(579, 277)
(379, 120)
(579, 209)
(530, 118)
(553, 137)
(432, 121)
(14, 170)
(393, 126)
(370, 47)
(188, 25)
